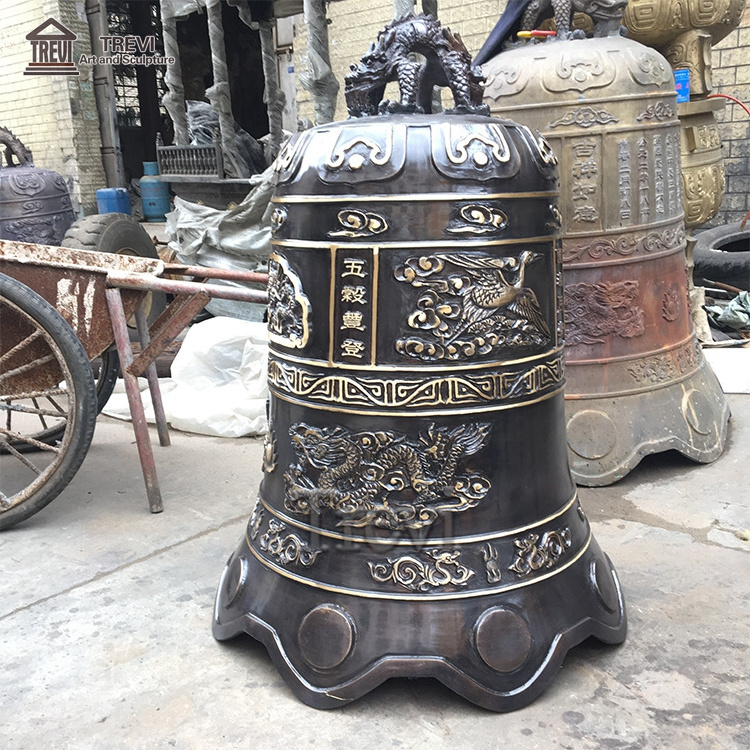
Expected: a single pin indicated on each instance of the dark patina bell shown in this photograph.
(34, 203)
(417, 515)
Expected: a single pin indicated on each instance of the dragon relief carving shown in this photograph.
(477, 309)
(595, 311)
(49, 230)
(288, 307)
(441, 568)
(391, 58)
(383, 478)
(534, 552)
(14, 147)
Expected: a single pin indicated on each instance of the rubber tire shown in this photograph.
(107, 377)
(714, 264)
(82, 380)
(119, 234)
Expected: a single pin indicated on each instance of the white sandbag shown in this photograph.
(220, 376)
(731, 365)
(218, 385)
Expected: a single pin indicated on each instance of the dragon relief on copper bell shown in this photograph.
(471, 305)
(288, 306)
(384, 478)
(608, 308)
(535, 552)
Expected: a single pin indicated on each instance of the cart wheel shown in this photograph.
(46, 385)
(120, 234)
(106, 371)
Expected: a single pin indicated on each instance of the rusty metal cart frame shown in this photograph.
(48, 401)
(97, 293)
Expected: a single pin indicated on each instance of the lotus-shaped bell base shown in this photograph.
(500, 647)
(608, 434)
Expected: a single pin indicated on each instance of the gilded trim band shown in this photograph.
(395, 392)
(396, 542)
(397, 596)
(412, 197)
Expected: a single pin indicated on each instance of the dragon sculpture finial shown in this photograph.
(446, 63)
(14, 147)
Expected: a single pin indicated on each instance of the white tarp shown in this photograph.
(731, 365)
(239, 239)
(181, 8)
(218, 385)
(206, 236)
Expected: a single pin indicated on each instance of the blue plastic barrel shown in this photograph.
(154, 193)
(682, 84)
(113, 200)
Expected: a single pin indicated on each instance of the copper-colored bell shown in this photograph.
(637, 382)
(684, 32)
(417, 516)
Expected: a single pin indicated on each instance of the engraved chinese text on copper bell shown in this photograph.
(637, 382)
(417, 516)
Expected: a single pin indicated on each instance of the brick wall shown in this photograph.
(27, 103)
(731, 75)
(355, 23)
(55, 116)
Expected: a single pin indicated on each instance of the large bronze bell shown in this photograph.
(34, 203)
(637, 382)
(417, 515)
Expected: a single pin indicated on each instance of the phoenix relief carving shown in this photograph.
(471, 305)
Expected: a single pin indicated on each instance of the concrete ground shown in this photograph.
(105, 615)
